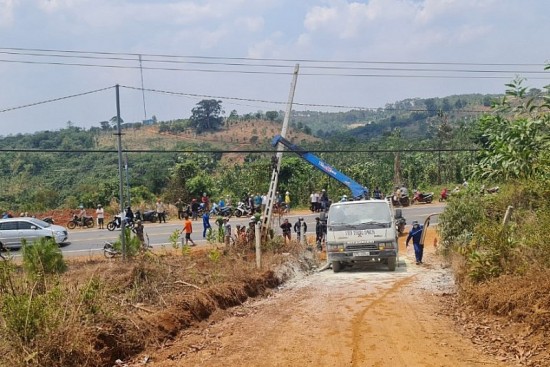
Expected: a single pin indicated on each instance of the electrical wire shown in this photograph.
(55, 99)
(270, 59)
(248, 151)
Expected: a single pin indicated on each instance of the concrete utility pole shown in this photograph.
(120, 173)
(266, 218)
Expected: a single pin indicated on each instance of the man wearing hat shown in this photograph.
(100, 214)
(416, 235)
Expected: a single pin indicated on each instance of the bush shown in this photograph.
(133, 244)
(471, 226)
(458, 221)
(43, 257)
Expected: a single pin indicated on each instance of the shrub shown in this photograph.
(43, 257)
(133, 244)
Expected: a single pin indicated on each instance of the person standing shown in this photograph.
(287, 230)
(416, 235)
(319, 233)
(187, 229)
(312, 202)
(226, 231)
(300, 227)
(138, 230)
(161, 211)
(287, 201)
(206, 224)
(181, 206)
(205, 201)
(324, 200)
(100, 214)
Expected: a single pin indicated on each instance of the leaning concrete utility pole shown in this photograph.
(268, 211)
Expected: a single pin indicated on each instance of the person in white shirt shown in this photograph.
(100, 215)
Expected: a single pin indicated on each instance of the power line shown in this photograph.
(54, 100)
(194, 95)
(141, 59)
(271, 59)
(247, 151)
(253, 72)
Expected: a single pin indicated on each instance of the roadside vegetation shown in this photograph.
(91, 312)
(502, 261)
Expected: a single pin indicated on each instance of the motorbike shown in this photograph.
(403, 201)
(421, 197)
(87, 222)
(116, 223)
(225, 211)
(400, 222)
(491, 190)
(242, 210)
(48, 220)
(146, 216)
(444, 195)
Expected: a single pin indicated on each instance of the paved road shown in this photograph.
(91, 241)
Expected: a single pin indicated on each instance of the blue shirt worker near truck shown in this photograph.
(416, 235)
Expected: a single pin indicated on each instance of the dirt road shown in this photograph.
(359, 317)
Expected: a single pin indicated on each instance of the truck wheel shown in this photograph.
(336, 266)
(392, 263)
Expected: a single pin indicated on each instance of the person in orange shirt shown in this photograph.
(188, 229)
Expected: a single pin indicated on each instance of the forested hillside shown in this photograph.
(417, 142)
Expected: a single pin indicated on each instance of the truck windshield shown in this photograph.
(367, 214)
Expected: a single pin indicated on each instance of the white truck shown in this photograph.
(361, 231)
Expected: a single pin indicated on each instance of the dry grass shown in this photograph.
(109, 309)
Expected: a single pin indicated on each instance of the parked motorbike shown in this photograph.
(225, 211)
(87, 222)
(400, 222)
(444, 195)
(146, 216)
(242, 210)
(116, 223)
(422, 197)
(48, 220)
(403, 201)
(491, 190)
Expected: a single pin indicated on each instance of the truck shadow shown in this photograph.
(375, 267)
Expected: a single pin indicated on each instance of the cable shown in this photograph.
(270, 59)
(507, 77)
(193, 95)
(54, 100)
(222, 151)
(140, 59)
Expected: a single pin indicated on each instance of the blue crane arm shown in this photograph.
(357, 190)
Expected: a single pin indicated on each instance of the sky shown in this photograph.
(61, 59)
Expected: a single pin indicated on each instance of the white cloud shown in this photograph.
(251, 24)
(6, 12)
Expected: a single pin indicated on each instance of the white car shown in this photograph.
(14, 230)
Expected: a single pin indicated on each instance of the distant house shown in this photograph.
(148, 122)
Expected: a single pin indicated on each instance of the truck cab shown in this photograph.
(361, 231)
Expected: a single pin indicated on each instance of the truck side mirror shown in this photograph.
(398, 213)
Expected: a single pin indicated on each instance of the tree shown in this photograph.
(271, 115)
(104, 125)
(114, 121)
(207, 115)
(515, 137)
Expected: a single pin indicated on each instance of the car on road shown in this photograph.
(14, 230)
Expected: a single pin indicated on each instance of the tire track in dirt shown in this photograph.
(361, 325)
